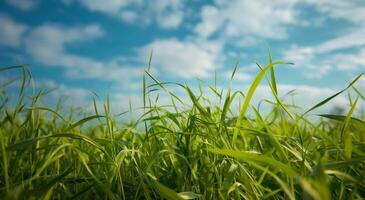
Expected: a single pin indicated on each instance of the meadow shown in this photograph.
(202, 151)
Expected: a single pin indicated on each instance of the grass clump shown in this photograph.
(196, 150)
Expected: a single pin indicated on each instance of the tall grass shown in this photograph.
(201, 151)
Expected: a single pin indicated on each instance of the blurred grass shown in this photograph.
(197, 151)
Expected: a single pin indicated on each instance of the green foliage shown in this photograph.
(185, 150)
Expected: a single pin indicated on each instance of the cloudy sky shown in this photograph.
(79, 46)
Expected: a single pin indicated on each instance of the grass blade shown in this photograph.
(249, 96)
(333, 96)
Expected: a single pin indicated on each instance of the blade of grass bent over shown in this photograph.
(342, 118)
(255, 157)
(333, 96)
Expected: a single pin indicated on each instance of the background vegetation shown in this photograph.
(202, 150)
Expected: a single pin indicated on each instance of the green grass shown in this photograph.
(185, 150)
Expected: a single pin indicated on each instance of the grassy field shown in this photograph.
(202, 151)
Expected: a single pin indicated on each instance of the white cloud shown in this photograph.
(76, 96)
(356, 38)
(305, 59)
(11, 32)
(55, 37)
(238, 76)
(171, 20)
(186, 59)
(244, 19)
(24, 5)
(210, 22)
(242, 76)
(166, 13)
(317, 60)
(352, 10)
(48, 44)
(349, 61)
(169, 13)
(245, 23)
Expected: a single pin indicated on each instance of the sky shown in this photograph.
(84, 46)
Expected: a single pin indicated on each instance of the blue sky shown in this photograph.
(79, 46)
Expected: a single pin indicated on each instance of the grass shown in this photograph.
(200, 150)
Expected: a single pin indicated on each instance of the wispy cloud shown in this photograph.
(48, 44)
(11, 32)
(48, 41)
(238, 76)
(186, 59)
(166, 13)
(244, 20)
(24, 5)
(318, 60)
(76, 96)
(352, 11)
